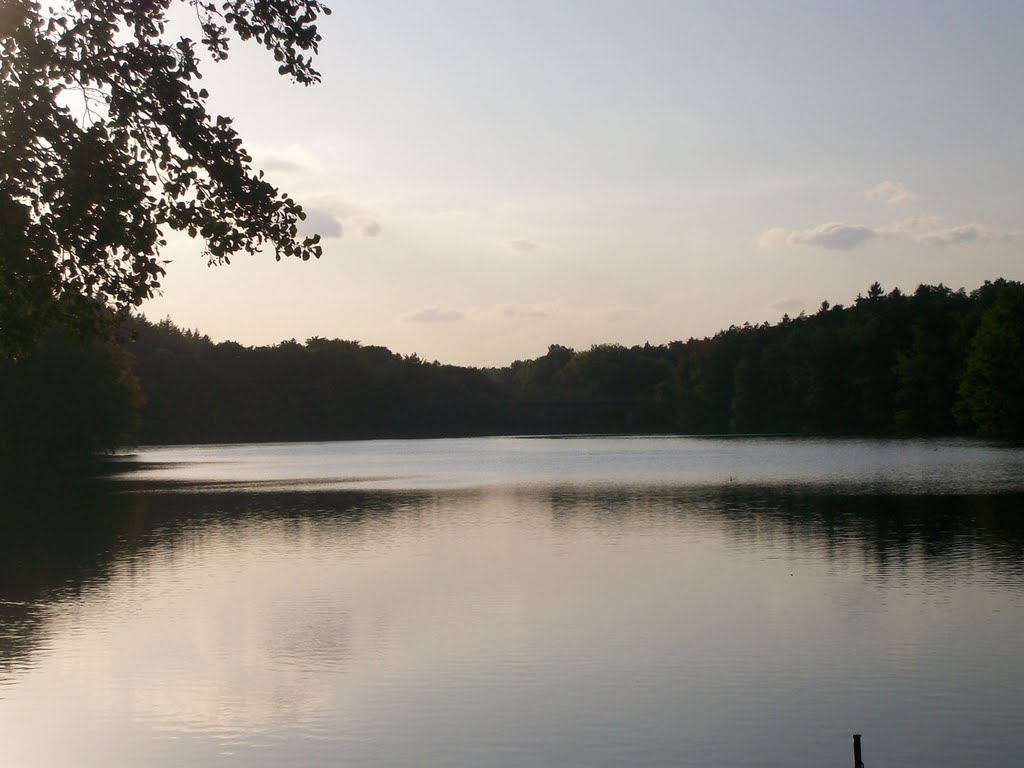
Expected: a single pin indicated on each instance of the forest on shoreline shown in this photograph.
(933, 362)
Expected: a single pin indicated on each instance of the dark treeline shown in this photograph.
(68, 402)
(936, 361)
(198, 391)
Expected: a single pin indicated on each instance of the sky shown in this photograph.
(492, 178)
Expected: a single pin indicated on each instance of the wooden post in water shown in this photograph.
(857, 762)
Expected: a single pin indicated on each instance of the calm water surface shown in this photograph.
(520, 602)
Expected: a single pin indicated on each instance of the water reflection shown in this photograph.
(57, 545)
(885, 530)
(549, 623)
(54, 541)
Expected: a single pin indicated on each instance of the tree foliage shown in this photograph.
(200, 391)
(936, 361)
(992, 388)
(106, 142)
(72, 399)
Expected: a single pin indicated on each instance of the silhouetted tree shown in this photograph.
(87, 194)
(889, 362)
(72, 399)
(992, 388)
(928, 368)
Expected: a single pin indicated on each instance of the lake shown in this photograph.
(520, 602)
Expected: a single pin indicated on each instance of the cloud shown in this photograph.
(369, 227)
(910, 228)
(453, 214)
(323, 222)
(523, 246)
(332, 216)
(833, 236)
(293, 159)
(890, 192)
(789, 305)
(282, 165)
(772, 238)
(619, 314)
(925, 230)
(435, 315)
(930, 230)
(961, 235)
(524, 312)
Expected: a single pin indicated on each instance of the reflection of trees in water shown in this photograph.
(889, 532)
(892, 532)
(56, 545)
(53, 542)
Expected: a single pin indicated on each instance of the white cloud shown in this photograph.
(293, 159)
(281, 165)
(619, 314)
(789, 305)
(449, 214)
(332, 216)
(523, 246)
(369, 227)
(517, 312)
(930, 230)
(890, 192)
(910, 228)
(833, 236)
(322, 221)
(772, 238)
(961, 235)
(435, 315)
(925, 230)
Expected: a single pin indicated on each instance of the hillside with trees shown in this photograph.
(933, 362)
(198, 391)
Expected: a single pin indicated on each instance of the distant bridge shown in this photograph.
(608, 402)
